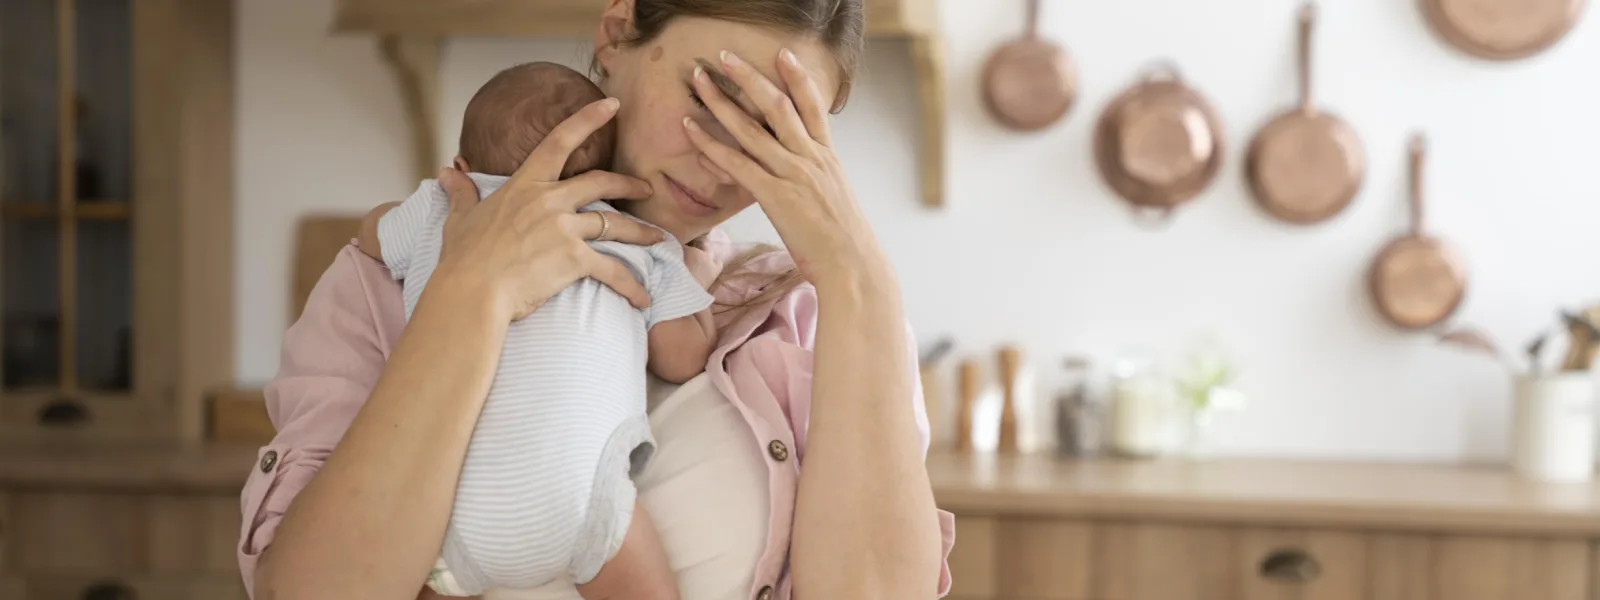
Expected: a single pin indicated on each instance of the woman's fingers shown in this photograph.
(807, 98)
(611, 272)
(736, 164)
(617, 227)
(722, 176)
(775, 105)
(576, 192)
(463, 193)
(744, 128)
(547, 160)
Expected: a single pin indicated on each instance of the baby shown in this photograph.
(546, 488)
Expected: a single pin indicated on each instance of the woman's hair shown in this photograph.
(839, 25)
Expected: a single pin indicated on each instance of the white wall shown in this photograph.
(1033, 249)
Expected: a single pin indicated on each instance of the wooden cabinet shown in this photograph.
(161, 523)
(1032, 529)
(1056, 559)
(116, 121)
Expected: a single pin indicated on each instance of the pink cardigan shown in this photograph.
(333, 354)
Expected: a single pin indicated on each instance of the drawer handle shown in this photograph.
(109, 590)
(1290, 565)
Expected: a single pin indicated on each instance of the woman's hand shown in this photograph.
(526, 241)
(792, 170)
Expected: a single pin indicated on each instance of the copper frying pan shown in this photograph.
(1416, 281)
(1029, 83)
(1305, 165)
(1502, 29)
(1159, 143)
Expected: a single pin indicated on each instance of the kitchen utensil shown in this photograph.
(1583, 342)
(1471, 339)
(1029, 83)
(1159, 143)
(1535, 350)
(1416, 280)
(971, 387)
(1502, 29)
(1010, 367)
(1305, 165)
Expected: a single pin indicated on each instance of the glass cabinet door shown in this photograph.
(66, 193)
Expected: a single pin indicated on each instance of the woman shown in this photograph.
(821, 368)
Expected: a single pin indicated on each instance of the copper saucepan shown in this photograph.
(1159, 143)
(1416, 281)
(1306, 165)
(1029, 83)
(1502, 29)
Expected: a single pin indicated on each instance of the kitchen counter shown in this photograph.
(1415, 497)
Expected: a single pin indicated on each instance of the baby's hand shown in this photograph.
(702, 265)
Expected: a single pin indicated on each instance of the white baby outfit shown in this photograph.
(546, 487)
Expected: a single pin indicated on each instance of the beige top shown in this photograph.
(1265, 492)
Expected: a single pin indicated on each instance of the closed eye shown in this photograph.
(701, 104)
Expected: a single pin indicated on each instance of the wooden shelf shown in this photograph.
(86, 210)
(411, 32)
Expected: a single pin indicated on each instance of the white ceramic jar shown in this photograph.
(1553, 427)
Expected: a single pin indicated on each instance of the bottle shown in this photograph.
(1078, 416)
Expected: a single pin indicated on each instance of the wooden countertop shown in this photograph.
(203, 468)
(1486, 499)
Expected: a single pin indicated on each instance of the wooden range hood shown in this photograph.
(412, 31)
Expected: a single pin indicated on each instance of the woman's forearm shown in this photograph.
(865, 521)
(371, 523)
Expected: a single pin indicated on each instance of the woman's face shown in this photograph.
(652, 82)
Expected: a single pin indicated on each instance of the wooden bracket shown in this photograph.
(415, 60)
(927, 60)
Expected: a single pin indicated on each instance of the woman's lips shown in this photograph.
(691, 202)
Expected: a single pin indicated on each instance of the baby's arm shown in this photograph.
(367, 240)
(680, 348)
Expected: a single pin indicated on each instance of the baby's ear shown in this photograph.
(461, 165)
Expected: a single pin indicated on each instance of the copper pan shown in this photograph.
(1159, 143)
(1029, 83)
(1417, 281)
(1305, 165)
(1502, 29)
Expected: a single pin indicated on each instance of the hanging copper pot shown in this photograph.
(1306, 165)
(1502, 29)
(1416, 281)
(1029, 83)
(1159, 143)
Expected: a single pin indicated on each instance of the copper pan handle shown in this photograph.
(1308, 21)
(1033, 19)
(1419, 148)
(1163, 69)
(1153, 217)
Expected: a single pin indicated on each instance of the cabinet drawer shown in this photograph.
(53, 531)
(1062, 559)
(140, 588)
(92, 533)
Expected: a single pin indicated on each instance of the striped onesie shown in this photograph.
(546, 488)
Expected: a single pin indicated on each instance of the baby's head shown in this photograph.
(517, 108)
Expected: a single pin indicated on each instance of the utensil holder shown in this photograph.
(1553, 427)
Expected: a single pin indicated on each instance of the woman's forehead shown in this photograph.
(690, 40)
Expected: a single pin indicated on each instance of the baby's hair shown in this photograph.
(513, 112)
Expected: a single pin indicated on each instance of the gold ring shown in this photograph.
(605, 226)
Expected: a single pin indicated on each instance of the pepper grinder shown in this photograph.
(971, 385)
(1010, 364)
